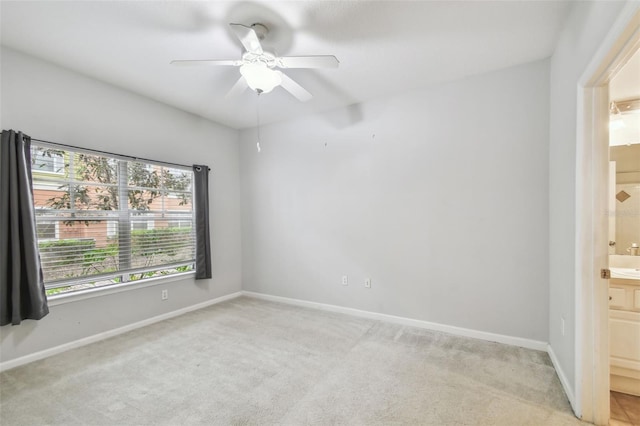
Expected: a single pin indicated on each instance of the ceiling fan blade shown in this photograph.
(191, 62)
(320, 61)
(240, 86)
(248, 38)
(294, 88)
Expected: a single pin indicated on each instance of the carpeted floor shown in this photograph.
(251, 362)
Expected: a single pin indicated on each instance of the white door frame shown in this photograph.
(592, 175)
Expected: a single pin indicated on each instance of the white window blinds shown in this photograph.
(104, 220)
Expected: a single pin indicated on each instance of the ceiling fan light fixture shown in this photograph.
(260, 78)
(257, 65)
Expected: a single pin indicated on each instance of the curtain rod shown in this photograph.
(130, 157)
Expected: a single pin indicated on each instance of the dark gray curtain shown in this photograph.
(203, 242)
(22, 294)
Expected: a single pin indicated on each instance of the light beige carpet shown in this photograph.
(251, 362)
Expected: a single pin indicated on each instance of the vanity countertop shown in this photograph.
(625, 273)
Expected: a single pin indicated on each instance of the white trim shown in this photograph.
(562, 376)
(450, 329)
(611, 56)
(16, 362)
(591, 330)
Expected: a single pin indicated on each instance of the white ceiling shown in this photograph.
(384, 47)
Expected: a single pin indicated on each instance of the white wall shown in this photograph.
(51, 103)
(584, 31)
(440, 196)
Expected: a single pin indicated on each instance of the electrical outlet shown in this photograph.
(367, 282)
(165, 294)
(562, 325)
(345, 280)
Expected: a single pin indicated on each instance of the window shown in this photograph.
(179, 224)
(47, 230)
(105, 220)
(142, 221)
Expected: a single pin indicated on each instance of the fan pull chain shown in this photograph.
(258, 113)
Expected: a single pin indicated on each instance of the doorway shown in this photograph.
(592, 302)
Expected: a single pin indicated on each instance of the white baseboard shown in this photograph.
(563, 378)
(110, 333)
(458, 331)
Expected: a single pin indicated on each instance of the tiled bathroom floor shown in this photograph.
(625, 409)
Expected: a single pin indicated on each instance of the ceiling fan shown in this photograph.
(258, 67)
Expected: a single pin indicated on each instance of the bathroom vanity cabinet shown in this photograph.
(624, 330)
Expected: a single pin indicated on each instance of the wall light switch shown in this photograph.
(367, 282)
(345, 280)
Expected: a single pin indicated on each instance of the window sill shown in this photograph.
(61, 299)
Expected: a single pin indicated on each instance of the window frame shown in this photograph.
(124, 218)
